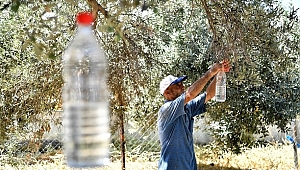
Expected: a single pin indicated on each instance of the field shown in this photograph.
(271, 157)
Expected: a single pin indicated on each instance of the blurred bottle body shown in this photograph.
(85, 99)
(220, 95)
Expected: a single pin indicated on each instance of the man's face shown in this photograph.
(174, 91)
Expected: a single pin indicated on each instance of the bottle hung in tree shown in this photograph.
(220, 95)
(85, 99)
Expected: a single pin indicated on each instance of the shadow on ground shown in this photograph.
(215, 167)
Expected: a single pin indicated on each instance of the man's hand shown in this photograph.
(226, 66)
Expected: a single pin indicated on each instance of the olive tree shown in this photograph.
(31, 64)
(146, 40)
(262, 41)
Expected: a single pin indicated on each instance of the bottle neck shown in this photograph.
(84, 28)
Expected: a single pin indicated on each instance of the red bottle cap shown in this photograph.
(84, 18)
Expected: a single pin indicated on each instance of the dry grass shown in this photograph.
(272, 157)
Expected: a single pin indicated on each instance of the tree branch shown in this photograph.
(209, 17)
(96, 8)
(5, 6)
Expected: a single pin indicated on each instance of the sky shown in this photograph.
(296, 3)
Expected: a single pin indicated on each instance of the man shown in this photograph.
(175, 117)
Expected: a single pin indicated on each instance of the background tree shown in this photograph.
(262, 41)
(44, 29)
(146, 40)
(30, 85)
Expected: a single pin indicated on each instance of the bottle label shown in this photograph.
(220, 95)
(86, 134)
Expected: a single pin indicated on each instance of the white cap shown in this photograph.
(169, 80)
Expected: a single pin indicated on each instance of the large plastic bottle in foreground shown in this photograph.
(220, 95)
(85, 99)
